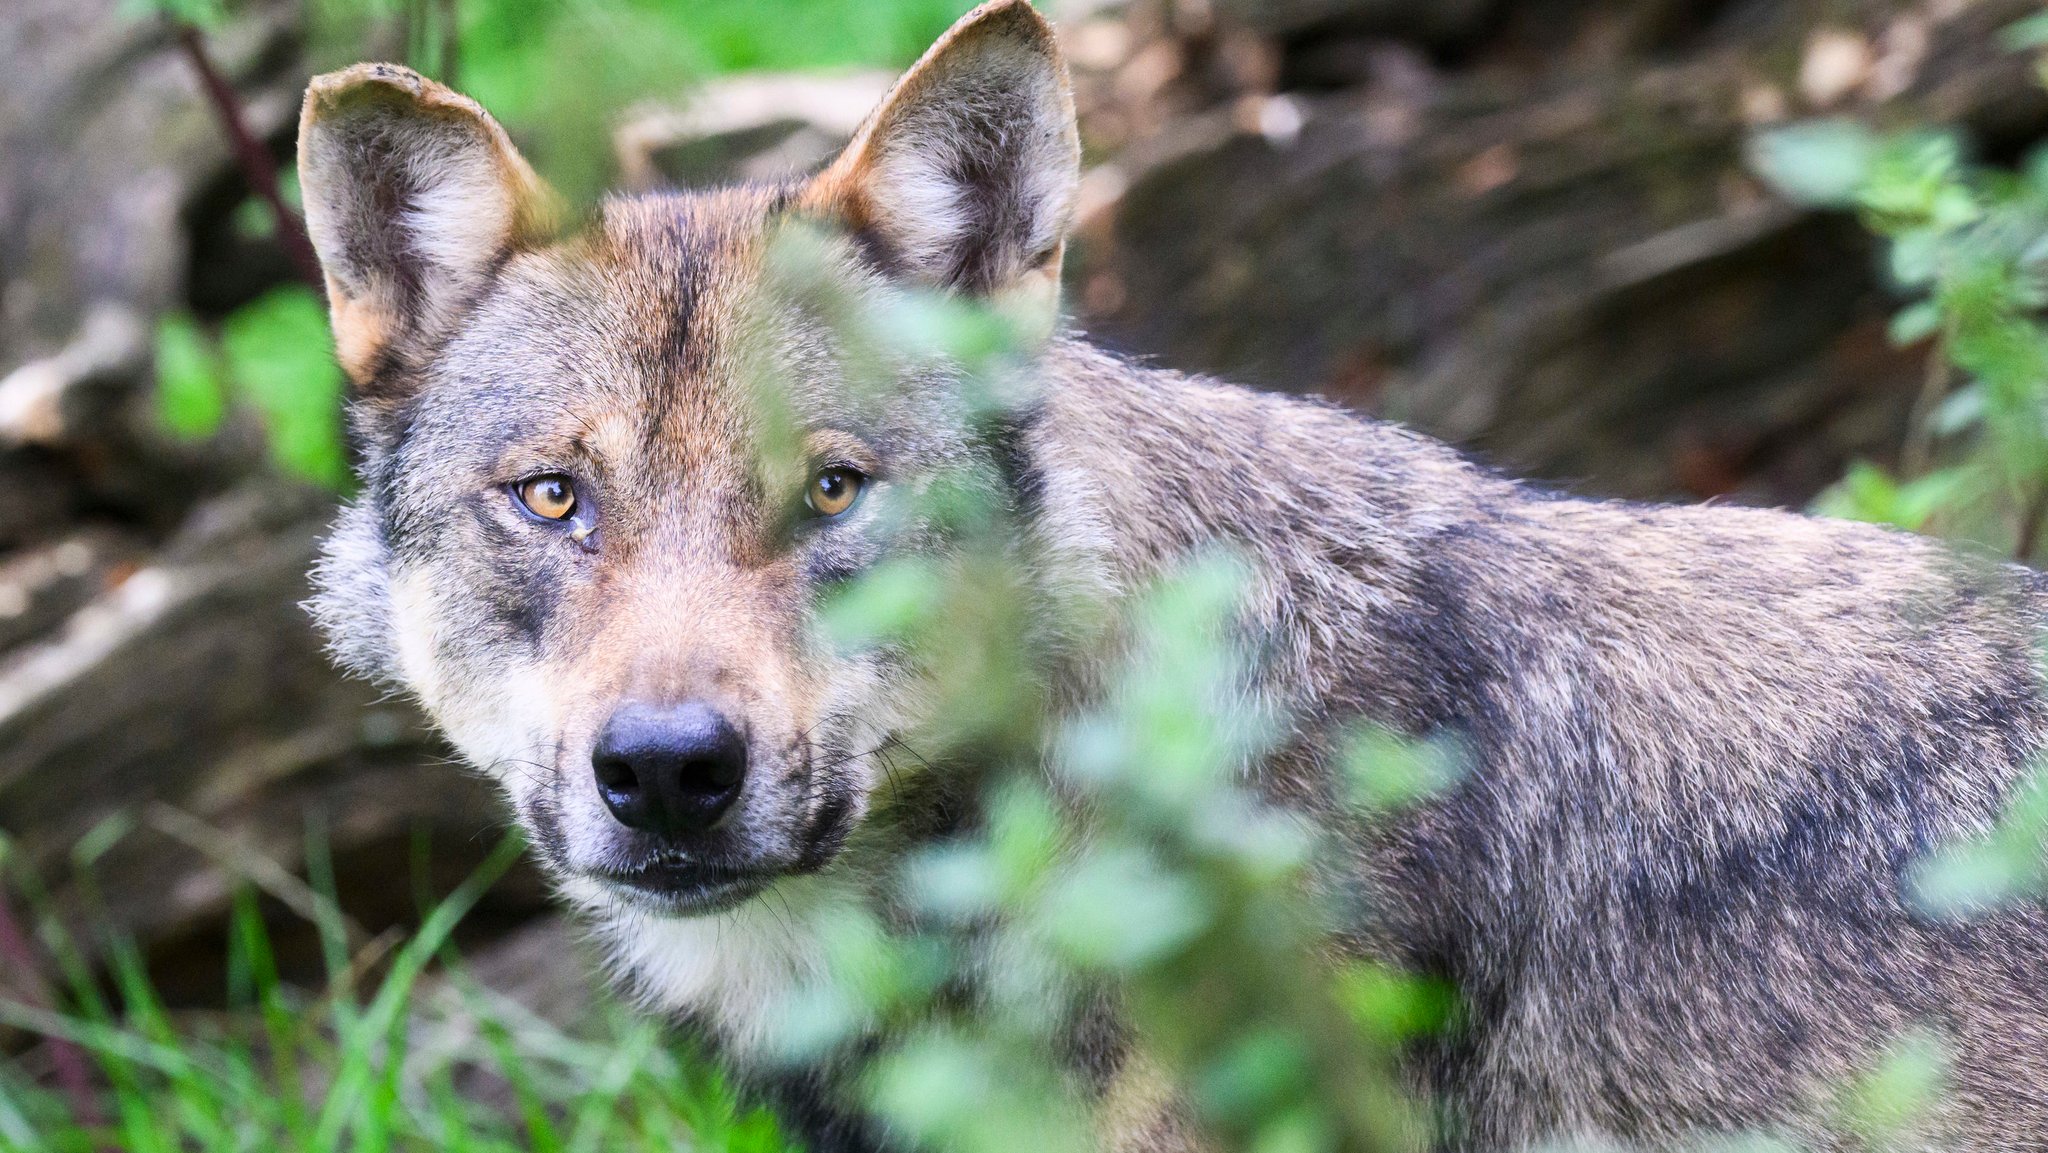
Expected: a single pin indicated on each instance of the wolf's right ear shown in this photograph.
(413, 194)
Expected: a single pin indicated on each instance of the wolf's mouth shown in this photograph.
(685, 889)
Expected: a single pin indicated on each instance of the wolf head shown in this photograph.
(577, 540)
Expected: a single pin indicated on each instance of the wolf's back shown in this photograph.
(1711, 752)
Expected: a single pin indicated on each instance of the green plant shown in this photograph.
(398, 1064)
(1121, 850)
(273, 356)
(1968, 245)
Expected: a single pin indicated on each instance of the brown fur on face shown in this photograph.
(610, 358)
(1707, 746)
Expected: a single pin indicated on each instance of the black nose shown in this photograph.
(671, 770)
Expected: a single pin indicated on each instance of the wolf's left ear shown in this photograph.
(964, 178)
(413, 194)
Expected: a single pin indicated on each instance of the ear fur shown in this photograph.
(964, 177)
(413, 195)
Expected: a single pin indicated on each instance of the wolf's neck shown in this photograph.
(1157, 465)
(1140, 469)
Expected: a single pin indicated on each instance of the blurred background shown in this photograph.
(1545, 230)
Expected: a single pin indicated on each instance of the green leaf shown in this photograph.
(2034, 169)
(957, 883)
(885, 605)
(1979, 875)
(1868, 493)
(1388, 772)
(1914, 323)
(2022, 35)
(1959, 410)
(253, 219)
(1953, 207)
(1915, 182)
(102, 837)
(1916, 256)
(190, 398)
(200, 13)
(1255, 1076)
(1392, 1005)
(1118, 909)
(1922, 497)
(280, 359)
(1819, 162)
(1890, 1100)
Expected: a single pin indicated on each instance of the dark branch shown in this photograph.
(259, 171)
(451, 43)
(2031, 518)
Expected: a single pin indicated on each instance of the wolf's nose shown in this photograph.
(669, 770)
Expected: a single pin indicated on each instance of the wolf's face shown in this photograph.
(608, 479)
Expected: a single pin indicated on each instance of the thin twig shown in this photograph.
(1934, 386)
(415, 39)
(2031, 516)
(246, 863)
(74, 1077)
(451, 44)
(259, 171)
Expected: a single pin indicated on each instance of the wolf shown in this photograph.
(1707, 745)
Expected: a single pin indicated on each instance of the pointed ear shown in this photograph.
(413, 195)
(964, 178)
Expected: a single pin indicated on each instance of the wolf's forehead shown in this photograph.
(666, 278)
(676, 267)
(628, 331)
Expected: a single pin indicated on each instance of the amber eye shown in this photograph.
(833, 491)
(550, 497)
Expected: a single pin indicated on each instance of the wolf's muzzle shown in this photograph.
(670, 771)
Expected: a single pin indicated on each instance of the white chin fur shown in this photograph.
(738, 970)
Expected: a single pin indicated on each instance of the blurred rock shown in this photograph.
(107, 139)
(757, 127)
(1430, 20)
(193, 694)
(169, 726)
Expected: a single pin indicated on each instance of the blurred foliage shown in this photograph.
(278, 355)
(190, 395)
(1886, 1105)
(1124, 852)
(2006, 864)
(1968, 256)
(1968, 248)
(198, 13)
(391, 1064)
(274, 356)
(559, 73)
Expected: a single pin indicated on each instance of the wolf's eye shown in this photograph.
(550, 497)
(833, 491)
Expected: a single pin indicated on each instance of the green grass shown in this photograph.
(422, 1057)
